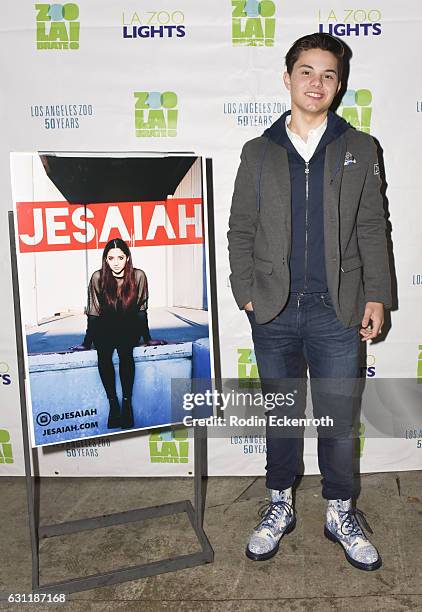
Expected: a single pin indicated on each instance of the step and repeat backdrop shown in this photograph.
(201, 78)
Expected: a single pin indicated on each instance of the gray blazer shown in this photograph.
(356, 256)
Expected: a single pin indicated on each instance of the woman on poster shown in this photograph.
(117, 318)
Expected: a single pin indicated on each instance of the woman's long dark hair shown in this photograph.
(108, 283)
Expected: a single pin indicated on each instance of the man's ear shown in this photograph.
(286, 79)
(339, 87)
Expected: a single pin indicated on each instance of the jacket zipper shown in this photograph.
(306, 218)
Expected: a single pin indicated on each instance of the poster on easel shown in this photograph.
(113, 268)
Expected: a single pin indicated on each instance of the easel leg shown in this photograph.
(27, 449)
(200, 464)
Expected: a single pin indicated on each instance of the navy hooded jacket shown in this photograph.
(307, 258)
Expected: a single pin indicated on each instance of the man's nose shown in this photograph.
(316, 81)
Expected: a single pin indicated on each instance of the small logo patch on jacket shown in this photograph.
(376, 169)
(349, 159)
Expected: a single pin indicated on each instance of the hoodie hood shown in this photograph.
(336, 126)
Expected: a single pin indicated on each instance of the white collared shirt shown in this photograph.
(306, 149)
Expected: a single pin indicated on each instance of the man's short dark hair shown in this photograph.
(319, 40)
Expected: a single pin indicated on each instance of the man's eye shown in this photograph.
(305, 72)
(329, 76)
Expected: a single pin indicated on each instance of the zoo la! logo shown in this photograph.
(356, 109)
(57, 27)
(6, 455)
(247, 368)
(169, 447)
(253, 23)
(361, 433)
(155, 113)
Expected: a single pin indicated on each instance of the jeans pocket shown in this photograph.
(326, 301)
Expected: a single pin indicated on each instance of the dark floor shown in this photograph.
(309, 573)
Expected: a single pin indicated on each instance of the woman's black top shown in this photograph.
(96, 303)
(112, 325)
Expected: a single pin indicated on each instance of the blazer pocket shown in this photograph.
(356, 166)
(351, 263)
(263, 266)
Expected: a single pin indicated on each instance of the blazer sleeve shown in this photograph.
(242, 229)
(371, 234)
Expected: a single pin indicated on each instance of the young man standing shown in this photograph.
(309, 265)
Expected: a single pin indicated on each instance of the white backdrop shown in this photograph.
(224, 92)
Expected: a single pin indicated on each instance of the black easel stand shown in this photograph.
(195, 513)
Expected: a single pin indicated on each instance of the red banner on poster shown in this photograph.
(60, 226)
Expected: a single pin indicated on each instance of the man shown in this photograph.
(309, 265)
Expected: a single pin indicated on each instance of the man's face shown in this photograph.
(314, 82)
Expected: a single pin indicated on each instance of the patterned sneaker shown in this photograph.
(278, 518)
(342, 526)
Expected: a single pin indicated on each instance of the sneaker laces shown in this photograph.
(270, 513)
(350, 522)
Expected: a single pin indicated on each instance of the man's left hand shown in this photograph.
(372, 321)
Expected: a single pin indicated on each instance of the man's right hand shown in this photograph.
(248, 306)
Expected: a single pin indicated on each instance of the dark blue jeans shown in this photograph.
(307, 332)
